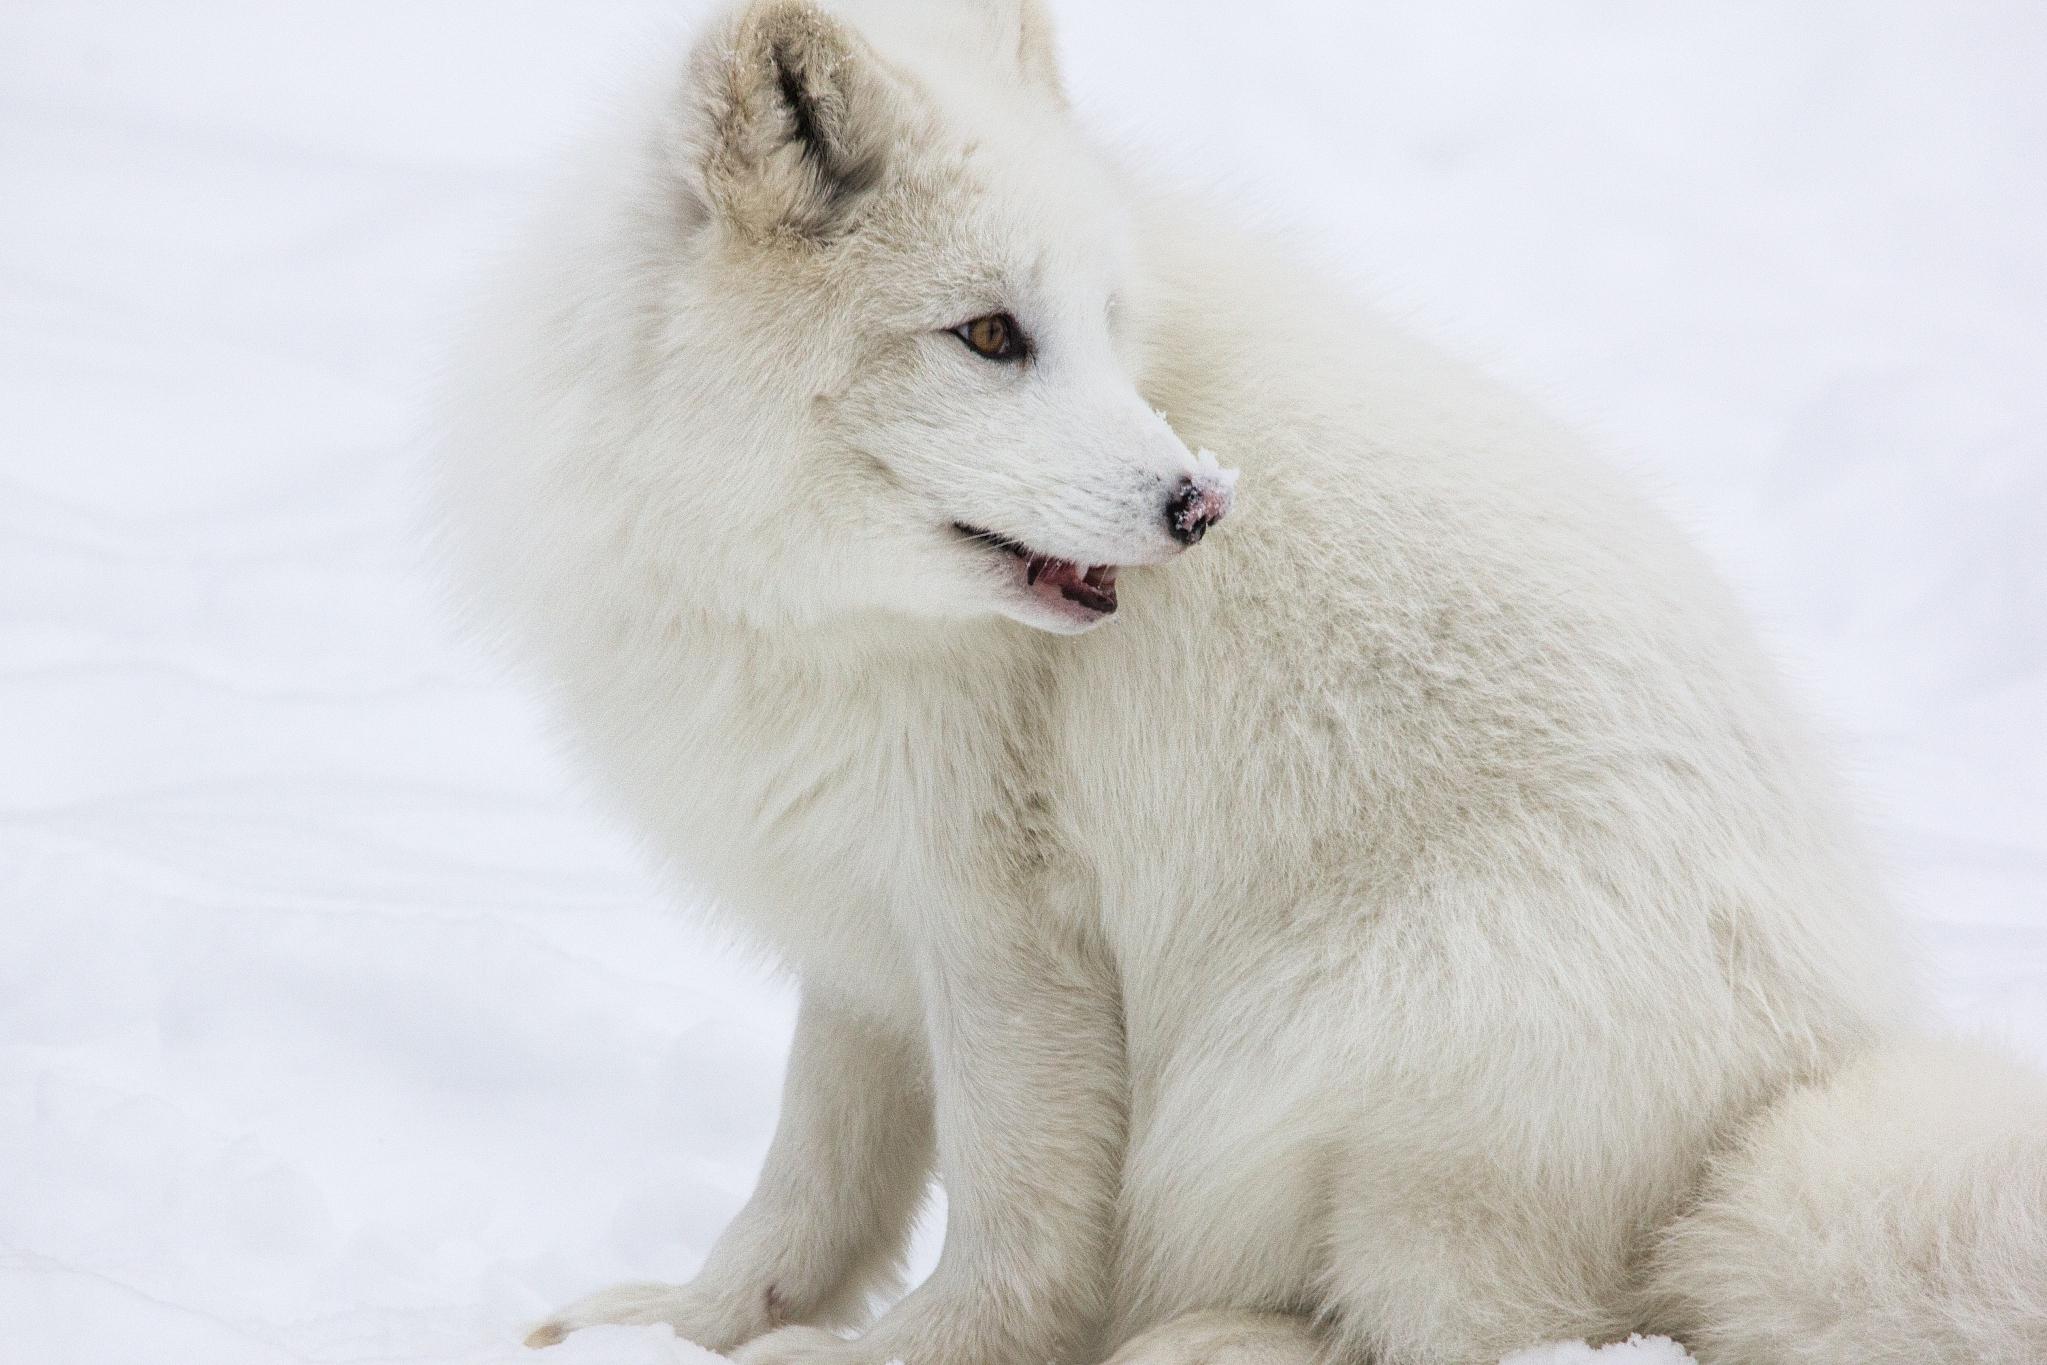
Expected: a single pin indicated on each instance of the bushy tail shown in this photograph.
(1896, 1212)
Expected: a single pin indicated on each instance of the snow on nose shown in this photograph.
(1200, 500)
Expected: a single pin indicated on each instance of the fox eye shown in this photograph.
(995, 336)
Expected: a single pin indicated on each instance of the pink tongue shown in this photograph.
(1063, 579)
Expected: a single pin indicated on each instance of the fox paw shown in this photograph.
(907, 1339)
(801, 1346)
(715, 1323)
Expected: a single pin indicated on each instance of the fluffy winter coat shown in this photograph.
(1405, 927)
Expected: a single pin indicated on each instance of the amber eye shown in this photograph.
(995, 336)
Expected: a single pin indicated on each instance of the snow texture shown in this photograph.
(1633, 1351)
(335, 1026)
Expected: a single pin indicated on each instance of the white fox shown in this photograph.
(1407, 928)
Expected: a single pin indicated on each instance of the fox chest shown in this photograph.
(828, 824)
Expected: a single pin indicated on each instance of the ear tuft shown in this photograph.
(792, 120)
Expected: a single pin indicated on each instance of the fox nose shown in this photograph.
(1194, 506)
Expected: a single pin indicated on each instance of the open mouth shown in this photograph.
(1089, 587)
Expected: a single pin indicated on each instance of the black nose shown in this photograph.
(1193, 507)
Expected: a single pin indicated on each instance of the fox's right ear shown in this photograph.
(1037, 49)
(787, 121)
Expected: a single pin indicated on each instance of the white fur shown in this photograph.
(1891, 1215)
(1388, 919)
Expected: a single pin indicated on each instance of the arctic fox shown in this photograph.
(1382, 912)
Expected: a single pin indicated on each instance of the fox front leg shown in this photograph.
(1027, 1061)
(827, 1223)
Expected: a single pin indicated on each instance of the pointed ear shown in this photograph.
(1037, 47)
(789, 121)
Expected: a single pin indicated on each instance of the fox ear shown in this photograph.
(1037, 48)
(790, 119)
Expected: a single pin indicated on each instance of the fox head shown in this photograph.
(887, 321)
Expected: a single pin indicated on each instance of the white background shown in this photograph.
(335, 1027)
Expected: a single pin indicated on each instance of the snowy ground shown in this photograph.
(333, 1028)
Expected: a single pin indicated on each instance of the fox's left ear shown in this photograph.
(789, 120)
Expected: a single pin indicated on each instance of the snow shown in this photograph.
(335, 1026)
(1633, 1351)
